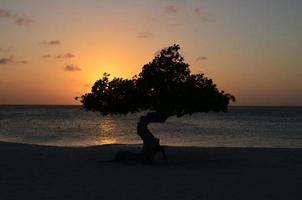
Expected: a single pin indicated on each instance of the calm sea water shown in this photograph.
(72, 126)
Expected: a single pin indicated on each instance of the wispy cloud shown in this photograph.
(18, 20)
(46, 56)
(171, 9)
(23, 62)
(4, 13)
(66, 55)
(10, 60)
(5, 61)
(197, 11)
(201, 58)
(23, 21)
(201, 13)
(51, 43)
(72, 68)
(145, 35)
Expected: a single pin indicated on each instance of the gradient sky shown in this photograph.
(53, 50)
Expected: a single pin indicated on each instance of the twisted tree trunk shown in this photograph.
(151, 144)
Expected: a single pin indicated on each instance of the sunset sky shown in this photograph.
(54, 50)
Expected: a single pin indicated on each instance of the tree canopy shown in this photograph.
(164, 86)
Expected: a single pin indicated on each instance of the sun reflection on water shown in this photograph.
(107, 131)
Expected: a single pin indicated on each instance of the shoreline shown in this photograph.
(50, 172)
(138, 145)
(79, 105)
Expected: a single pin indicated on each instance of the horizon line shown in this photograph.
(81, 105)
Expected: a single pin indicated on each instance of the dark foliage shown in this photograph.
(164, 86)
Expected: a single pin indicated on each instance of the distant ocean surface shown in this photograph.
(73, 126)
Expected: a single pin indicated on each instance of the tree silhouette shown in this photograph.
(165, 87)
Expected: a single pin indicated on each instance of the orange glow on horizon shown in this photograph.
(260, 66)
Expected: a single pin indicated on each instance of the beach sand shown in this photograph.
(43, 172)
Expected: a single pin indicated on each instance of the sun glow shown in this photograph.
(107, 131)
(260, 66)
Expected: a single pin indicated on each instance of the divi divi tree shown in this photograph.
(165, 87)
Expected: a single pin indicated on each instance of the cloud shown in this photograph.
(201, 14)
(10, 60)
(46, 56)
(200, 58)
(171, 9)
(145, 35)
(66, 55)
(5, 61)
(23, 62)
(23, 21)
(72, 68)
(18, 20)
(197, 11)
(51, 43)
(5, 13)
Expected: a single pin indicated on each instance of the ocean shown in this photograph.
(72, 126)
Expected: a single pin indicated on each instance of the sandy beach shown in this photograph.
(43, 172)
